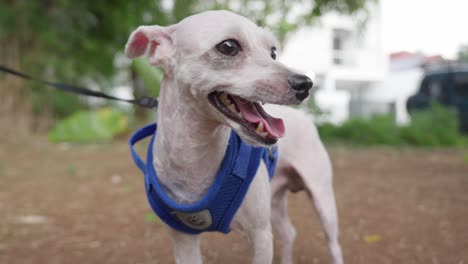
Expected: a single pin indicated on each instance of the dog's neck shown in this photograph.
(190, 145)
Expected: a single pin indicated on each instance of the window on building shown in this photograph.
(342, 55)
(337, 42)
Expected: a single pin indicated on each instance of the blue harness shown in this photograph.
(213, 212)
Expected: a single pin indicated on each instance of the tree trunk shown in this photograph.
(16, 116)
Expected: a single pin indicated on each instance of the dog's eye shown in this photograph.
(273, 53)
(228, 47)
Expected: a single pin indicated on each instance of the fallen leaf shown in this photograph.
(371, 239)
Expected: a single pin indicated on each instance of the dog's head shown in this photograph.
(229, 65)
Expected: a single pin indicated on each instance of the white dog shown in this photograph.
(219, 68)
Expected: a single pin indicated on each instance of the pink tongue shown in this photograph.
(255, 114)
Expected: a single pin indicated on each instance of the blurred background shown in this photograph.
(390, 103)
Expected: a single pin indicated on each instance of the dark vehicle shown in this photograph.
(447, 86)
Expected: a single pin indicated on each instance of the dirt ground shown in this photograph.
(86, 204)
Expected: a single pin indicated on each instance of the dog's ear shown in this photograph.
(158, 39)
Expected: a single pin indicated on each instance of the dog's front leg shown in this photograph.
(262, 245)
(253, 218)
(186, 247)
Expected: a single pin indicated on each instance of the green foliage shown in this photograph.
(150, 76)
(86, 126)
(59, 103)
(377, 130)
(437, 126)
(78, 38)
(72, 41)
(73, 38)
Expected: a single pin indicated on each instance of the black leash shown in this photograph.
(144, 101)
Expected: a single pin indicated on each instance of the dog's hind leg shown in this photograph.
(318, 185)
(324, 201)
(280, 217)
(186, 247)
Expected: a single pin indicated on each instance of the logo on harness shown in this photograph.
(198, 220)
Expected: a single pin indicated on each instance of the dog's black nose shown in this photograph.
(301, 83)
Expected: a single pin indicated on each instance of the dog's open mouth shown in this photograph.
(256, 123)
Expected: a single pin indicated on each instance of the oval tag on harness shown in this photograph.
(197, 220)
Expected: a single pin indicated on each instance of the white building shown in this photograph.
(347, 58)
(402, 81)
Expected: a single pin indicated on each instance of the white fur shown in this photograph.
(193, 136)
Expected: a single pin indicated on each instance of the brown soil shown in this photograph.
(86, 204)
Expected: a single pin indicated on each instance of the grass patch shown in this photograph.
(435, 127)
(89, 126)
(128, 189)
(151, 217)
(72, 169)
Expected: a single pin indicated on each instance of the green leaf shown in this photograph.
(88, 126)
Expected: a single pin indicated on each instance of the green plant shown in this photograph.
(151, 217)
(71, 169)
(433, 127)
(60, 104)
(377, 130)
(85, 126)
(436, 126)
(74, 41)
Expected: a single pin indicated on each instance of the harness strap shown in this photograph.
(141, 134)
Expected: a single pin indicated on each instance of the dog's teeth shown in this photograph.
(225, 99)
(259, 128)
(223, 96)
(264, 134)
(233, 108)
